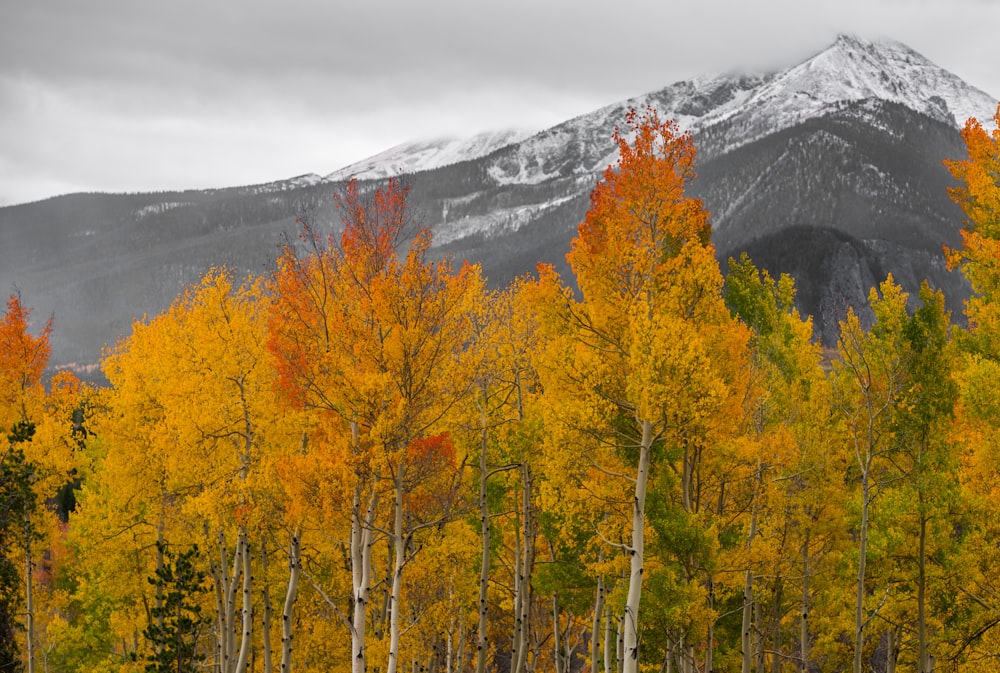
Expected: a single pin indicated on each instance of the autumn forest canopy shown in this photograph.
(368, 462)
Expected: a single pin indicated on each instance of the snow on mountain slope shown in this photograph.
(854, 69)
(754, 105)
(419, 156)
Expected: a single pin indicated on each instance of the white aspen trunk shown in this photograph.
(536, 637)
(637, 551)
(595, 631)
(569, 644)
(382, 613)
(747, 628)
(218, 577)
(158, 601)
(804, 622)
(482, 643)
(234, 580)
(460, 650)
(710, 646)
(859, 623)
(922, 661)
(359, 608)
(527, 567)
(243, 545)
(29, 600)
(517, 640)
(556, 643)
(447, 651)
(758, 637)
(227, 637)
(620, 641)
(229, 608)
(687, 478)
(266, 618)
(399, 546)
(776, 627)
(294, 568)
(246, 630)
(361, 576)
(608, 639)
(745, 640)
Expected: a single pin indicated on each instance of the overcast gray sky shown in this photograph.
(137, 95)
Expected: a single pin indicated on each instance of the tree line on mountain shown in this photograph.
(368, 461)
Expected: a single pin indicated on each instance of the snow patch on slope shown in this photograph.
(158, 209)
(501, 220)
(421, 156)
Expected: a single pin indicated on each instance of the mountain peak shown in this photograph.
(883, 54)
(887, 47)
(853, 68)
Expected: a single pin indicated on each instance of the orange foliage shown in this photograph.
(373, 229)
(431, 466)
(23, 358)
(978, 194)
(644, 192)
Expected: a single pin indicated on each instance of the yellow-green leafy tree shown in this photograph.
(791, 516)
(188, 446)
(499, 422)
(870, 381)
(642, 373)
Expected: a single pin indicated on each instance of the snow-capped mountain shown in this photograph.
(754, 104)
(829, 170)
(751, 106)
(415, 157)
(854, 69)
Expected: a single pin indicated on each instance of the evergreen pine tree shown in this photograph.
(177, 622)
(17, 500)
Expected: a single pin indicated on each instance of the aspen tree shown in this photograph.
(371, 331)
(869, 382)
(504, 338)
(36, 458)
(193, 389)
(977, 428)
(644, 362)
(791, 510)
